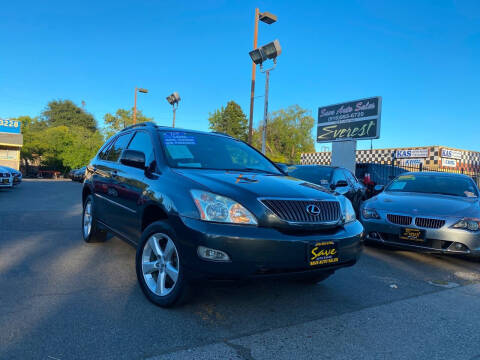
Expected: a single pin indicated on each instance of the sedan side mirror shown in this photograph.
(340, 183)
(133, 158)
(378, 188)
(283, 168)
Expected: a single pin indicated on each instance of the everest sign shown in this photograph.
(358, 119)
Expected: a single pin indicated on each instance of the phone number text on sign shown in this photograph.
(11, 126)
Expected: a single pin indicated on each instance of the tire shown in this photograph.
(91, 231)
(159, 266)
(313, 279)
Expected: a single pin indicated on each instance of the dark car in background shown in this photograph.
(77, 174)
(335, 178)
(427, 211)
(207, 206)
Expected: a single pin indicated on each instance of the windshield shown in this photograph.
(434, 184)
(315, 174)
(205, 151)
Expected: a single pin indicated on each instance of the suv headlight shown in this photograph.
(216, 208)
(370, 214)
(471, 224)
(348, 211)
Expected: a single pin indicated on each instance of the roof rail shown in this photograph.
(146, 123)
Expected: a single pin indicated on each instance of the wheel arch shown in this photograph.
(151, 213)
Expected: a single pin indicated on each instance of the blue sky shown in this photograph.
(422, 57)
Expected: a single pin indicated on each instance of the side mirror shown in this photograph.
(340, 183)
(283, 168)
(378, 188)
(133, 158)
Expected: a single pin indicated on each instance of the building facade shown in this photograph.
(433, 157)
(11, 142)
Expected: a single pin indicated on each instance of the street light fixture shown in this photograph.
(269, 51)
(135, 104)
(267, 18)
(173, 100)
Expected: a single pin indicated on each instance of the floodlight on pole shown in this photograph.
(267, 18)
(269, 51)
(173, 100)
(142, 90)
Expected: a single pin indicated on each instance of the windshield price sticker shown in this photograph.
(178, 138)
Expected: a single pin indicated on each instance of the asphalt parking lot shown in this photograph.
(63, 299)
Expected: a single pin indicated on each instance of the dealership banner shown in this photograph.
(411, 153)
(358, 119)
(412, 162)
(451, 154)
(9, 126)
(449, 162)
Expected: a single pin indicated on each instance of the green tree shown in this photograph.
(230, 120)
(122, 118)
(66, 113)
(289, 133)
(82, 147)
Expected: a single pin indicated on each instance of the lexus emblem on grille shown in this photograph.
(313, 210)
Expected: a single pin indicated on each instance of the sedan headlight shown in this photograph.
(471, 224)
(216, 208)
(370, 214)
(348, 211)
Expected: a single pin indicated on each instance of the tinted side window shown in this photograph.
(353, 180)
(104, 152)
(337, 176)
(142, 142)
(118, 146)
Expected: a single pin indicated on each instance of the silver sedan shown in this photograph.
(427, 211)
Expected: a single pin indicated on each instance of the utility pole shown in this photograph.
(265, 112)
(252, 89)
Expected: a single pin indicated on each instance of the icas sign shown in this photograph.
(9, 126)
(411, 153)
(358, 119)
(451, 154)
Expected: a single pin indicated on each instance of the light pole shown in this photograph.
(267, 18)
(135, 103)
(173, 100)
(269, 51)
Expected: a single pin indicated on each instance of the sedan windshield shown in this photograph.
(434, 184)
(319, 175)
(205, 151)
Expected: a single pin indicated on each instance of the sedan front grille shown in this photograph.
(296, 210)
(399, 219)
(429, 223)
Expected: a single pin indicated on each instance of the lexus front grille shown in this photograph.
(296, 210)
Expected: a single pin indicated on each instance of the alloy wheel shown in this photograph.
(87, 219)
(160, 264)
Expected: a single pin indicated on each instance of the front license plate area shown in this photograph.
(323, 253)
(411, 234)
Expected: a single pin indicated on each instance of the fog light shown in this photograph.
(456, 246)
(212, 254)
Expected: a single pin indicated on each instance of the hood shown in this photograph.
(425, 204)
(238, 184)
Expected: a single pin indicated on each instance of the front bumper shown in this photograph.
(6, 185)
(441, 240)
(258, 251)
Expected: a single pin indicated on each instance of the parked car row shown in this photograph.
(427, 211)
(9, 177)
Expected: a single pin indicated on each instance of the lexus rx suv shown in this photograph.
(200, 205)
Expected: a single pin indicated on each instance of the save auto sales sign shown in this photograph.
(358, 119)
